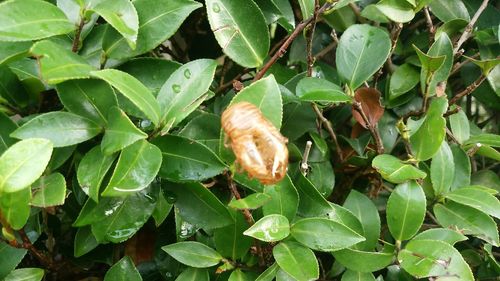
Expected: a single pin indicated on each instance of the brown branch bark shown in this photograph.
(468, 29)
(467, 90)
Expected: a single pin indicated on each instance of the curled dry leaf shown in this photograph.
(369, 98)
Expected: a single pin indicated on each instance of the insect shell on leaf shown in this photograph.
(259, 147)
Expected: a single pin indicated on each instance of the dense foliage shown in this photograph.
(113, 164)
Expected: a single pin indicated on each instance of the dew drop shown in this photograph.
(187, 73)
(215, 8)
(176, 88)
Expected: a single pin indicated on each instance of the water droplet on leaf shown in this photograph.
(176, 88)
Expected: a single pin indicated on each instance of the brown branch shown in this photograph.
(430, 25)
(78, 33)
(468, 29)
(467, 90)
(371, 127)
(42, 258)
(309, 39)
(328, 126)
(357, 12)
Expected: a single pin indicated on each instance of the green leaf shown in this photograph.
(397, 11)
(252, 201)
(187, 160)
(120, 132)
(324, 234)
(406, 210)
(91, 171)
(432, 125)
(460, 128)
(350, 275)
(447, 10)
(11, 89)
(121, 15)
(442, 234)
(58, 64)
(270, 228)
(194, 274)
(284, 199)
(476, 198)
(158, 21)
(367, 213)
(162, 210)
(320, 90)
(199, 206)
(307, 8)
(468, 220)
(246, 44)
(133, 90)
(404, 79)
(269, 273)
(11, 51)
(23, 163)
(311, 202)
(49, 191)
(441, 47)
(239, 275)
(486, 65)
(430, 258)
(15, 208)
(124, 269)
(230, 241)
(204, 128)
(25, 274)
(61, 128)
(15, 256)
(362, 50)
(296, 260)
(185, 90)
(365, 261)
(430, 64)
(486, 139)
(84, 241)
(137, 167)
(88, 98)
(44, 20)
(7, 126)
(451, 27)
(442, 170)
(194, 254)
(394, 170)
(462, 167)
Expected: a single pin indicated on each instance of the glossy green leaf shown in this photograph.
(476, 198)
(136, 168)
(91, 171)
(446, 10)
(15, 208)
(194, 254)
(462, 164)
(296, 260)
(307, 8)
(324, 234)
(394, 170)
(184, 91)
(350, 275)
(230, 241)
(58, 64)
(11, 51)
(311, 202)
(322, 176)
(199, 206)
(270, 228)
(434, 124)
(460, 128)
(121, 15)
(320, 90)
(441, 47)
(486, 65)
(487, 139)
(187, 160)
(347, 218)
(25, 274)
(84, 241)
(284, 199)
(61, 128)
(430, 64)
(23, 163)
(11, 88)
(362, 50)
(397, 11)
(49, 191)
(120, 132)
(7, 126)
(442, 169)
(365, 261)
(239, 275)
(468, 220)
(406, 210)
(451, 27)
(246, 44)
(204, 128)
(88, 98)
(442, 234)
(162, 210)
(158, 21)
(252, 201)
(194, 274)
(367, 213)
(124, 269)
(44, 20)
(133, 90)
(404, 79)
(269, 273)
(430, 258)
(15, 256)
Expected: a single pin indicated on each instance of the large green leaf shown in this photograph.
(284, 199)
(49, 191)
(404, 79)
(469, 220)
(61, 128)
(367, 213)
(58, 64)
(477, 198)
(158, 21)
(324, 234)
(91, 171)
(252, 201)
(296, 260)
(194, 254)
(230, 241)
(431, 258)
(194, 274)
(406, 210)
(26, 20)
(442, 170)
(15, 256)
(120, 132)
(137, 167)
(15, 208)
(199, 206)
(362, 50)
(246, 44)
(320, 90)
(185, 90)
(398, 11)
(311, 202)
(26, 274)
(270, 228)
(23, 163)
(394, 170)
(121, 15)
(462, 167)
(447, 10)
(307, 8)
(350, 275)
(133, 90)
(124, 269)
(7, 126)
(460, 127)
(11, 88)
(89, 98)
(442, 234)
(84, 241)
(187, 160)
(487, 139)
(11, 51)
(269, 273)
(365, 261)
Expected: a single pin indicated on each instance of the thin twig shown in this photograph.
(468, 90)
(371, 127)
(468, 29)
(309, 39)
(357, 12)
(328, 126)
(303, 164)
(430, 25)
(78, 33)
